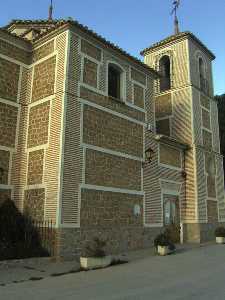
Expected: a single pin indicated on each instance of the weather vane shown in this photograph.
(176, 4)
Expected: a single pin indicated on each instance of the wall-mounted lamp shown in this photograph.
(148, 155)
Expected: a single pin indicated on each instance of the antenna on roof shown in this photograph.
(176, 4)
(50, 12)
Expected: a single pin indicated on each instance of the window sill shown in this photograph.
(116, 99)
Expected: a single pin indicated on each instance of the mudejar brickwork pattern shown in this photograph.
(73, 154)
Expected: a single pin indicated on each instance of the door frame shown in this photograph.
(173, 192)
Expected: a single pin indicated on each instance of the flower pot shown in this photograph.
(89, 263)
(164, 250)
(220, 240)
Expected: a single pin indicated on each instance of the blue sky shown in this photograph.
(134, 25)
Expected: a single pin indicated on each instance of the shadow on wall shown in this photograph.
(19, 236)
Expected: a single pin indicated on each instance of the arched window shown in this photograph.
(164, 68)
(201, 74)
(115, 81)
(201, 67)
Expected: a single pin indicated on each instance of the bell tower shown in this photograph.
(185, 111)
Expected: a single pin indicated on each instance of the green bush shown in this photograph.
(220, 231)
(94, 248)
(163, 240)
(18, 236)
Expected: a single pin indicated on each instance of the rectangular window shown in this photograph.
(114, 83)
(163, 126)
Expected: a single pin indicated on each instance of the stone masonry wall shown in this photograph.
(108, 131)
(34, 203)
(38, 125)
(9, 79)
(119, 239)
(43, 51)
(4, 166)
(5, 194)
(109, 103)
(90, 50)
(106, 209)
(113, 171)
(8, 122)
(15, 52)
(35, 167)
(90, 73)
(138, 76)
(163, 106)
(138, 95)
(44, 79)
(170, 156)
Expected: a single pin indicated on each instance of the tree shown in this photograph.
(221, 118)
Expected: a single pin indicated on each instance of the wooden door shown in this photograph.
(171, 216)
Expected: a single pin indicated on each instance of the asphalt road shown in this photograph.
(192, 274)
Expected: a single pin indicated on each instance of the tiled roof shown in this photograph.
(14, 35)
(177, 37)
(55, 24)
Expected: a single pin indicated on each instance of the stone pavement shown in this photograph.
(192, 273)
(34, 269)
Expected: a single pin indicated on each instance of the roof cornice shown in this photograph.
(178, 37)
(56, 26)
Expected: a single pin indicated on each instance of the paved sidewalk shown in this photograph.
(19, 271)
(34, 269)
(39, 268)
(190, 274)
(14, 273)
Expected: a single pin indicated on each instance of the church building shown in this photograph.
(105, 145)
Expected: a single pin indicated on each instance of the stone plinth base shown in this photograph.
(119, 239)
(200, 232)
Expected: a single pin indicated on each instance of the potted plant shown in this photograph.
(93, 255)
(163, 244)
(220, 235)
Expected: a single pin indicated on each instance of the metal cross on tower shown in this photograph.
(50, 12)
(176, 4)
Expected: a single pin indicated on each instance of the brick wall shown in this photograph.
(170, 156)
(139, 96)
(207, 139)
(163, 126)
(163, 106)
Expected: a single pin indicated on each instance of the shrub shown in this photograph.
(220, 231)
(163, 240)
(94, 248)
(18, 237)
